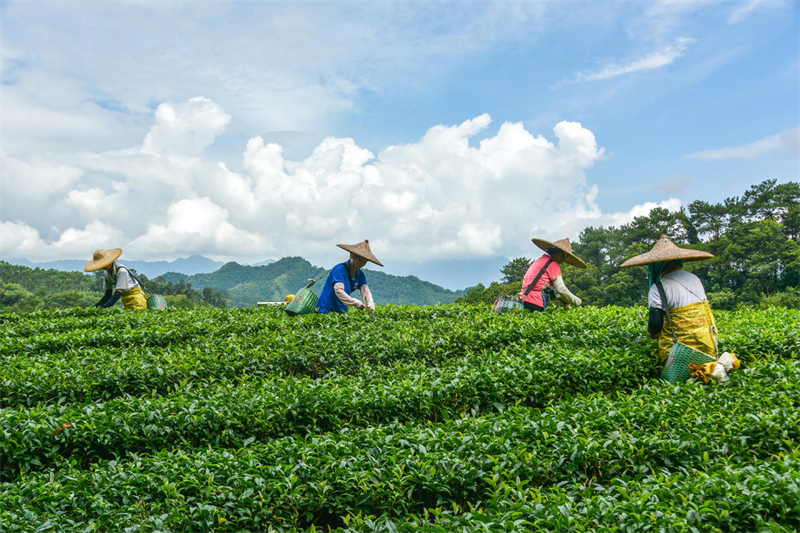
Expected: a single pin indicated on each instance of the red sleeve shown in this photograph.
(553, 271)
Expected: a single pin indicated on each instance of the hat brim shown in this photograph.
(570, 258)
(360, 253)
(109, 257)
(678, 254)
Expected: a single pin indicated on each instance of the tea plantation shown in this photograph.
(436, 419)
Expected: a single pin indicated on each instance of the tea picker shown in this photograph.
(346, 278)
(334, 294)
(117, 280)
(680, 316)
(543, 280)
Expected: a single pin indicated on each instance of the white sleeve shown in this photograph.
(125, 281)
(366, 295)
(654, 298)
(346, 299)
(563, 291)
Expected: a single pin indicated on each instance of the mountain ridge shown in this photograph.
(246, 285)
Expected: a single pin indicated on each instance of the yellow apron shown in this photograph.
(695, 327)
(134, 299)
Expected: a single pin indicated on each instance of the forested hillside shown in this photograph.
(246, 285)
(27, 289)
(754, 239)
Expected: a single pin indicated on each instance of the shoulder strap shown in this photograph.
(133, 276)
(665, 306)
(538, 276)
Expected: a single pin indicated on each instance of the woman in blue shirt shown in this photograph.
(348, 277)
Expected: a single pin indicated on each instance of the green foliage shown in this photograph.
(39, 279)
(515, 270)
(438, 418)
(53, 289)
(753, 239)
(789, 299)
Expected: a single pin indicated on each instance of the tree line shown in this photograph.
(28, 289)
(754, 239)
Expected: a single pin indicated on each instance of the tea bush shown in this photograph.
(438, 418)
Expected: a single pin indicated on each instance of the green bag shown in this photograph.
(156, 301)
(676, 369)
(305, 300)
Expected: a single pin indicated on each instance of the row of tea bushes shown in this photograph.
(410, 418)
(88, 365)
(131, 355)
(227, 413)
(587, 463)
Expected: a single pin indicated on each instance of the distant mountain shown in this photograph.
(194, 264)
(247, 285)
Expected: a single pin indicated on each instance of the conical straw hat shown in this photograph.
(564, 246)
(362, 250)
(102, 258)
(665, 250)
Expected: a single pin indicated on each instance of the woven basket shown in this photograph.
(504, 304)
(676, 369)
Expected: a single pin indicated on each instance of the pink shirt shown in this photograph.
(553, 271)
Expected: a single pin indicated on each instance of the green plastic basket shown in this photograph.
(304, 302)
(156, 301)
(676, 369)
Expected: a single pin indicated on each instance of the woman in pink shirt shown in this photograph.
(546, 272)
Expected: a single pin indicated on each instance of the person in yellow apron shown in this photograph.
(119, 282)
(689, 310)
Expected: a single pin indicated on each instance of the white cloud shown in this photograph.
(788, 140)
(744, 9)
(198, 224)
(19, 240)
(657, 59)
(442, 197)
(581, 220)
(187, 128)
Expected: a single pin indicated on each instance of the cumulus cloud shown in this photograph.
(193, 225)
(442, 197)
(787, 140)
(187, 128)
(19, 240)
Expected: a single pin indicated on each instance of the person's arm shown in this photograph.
(655, 322)
(366, 295)
(564, 293)
(105, 298)
(111, 301)
(346, 299)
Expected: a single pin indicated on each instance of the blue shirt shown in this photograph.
(328, 302)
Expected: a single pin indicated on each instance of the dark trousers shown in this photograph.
(531, 307)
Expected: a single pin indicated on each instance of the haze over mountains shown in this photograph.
(194, 264)
(451, 274)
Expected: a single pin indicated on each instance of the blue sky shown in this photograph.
(448, 133)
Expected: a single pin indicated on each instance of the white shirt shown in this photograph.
(122, 281)
(681, 288)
